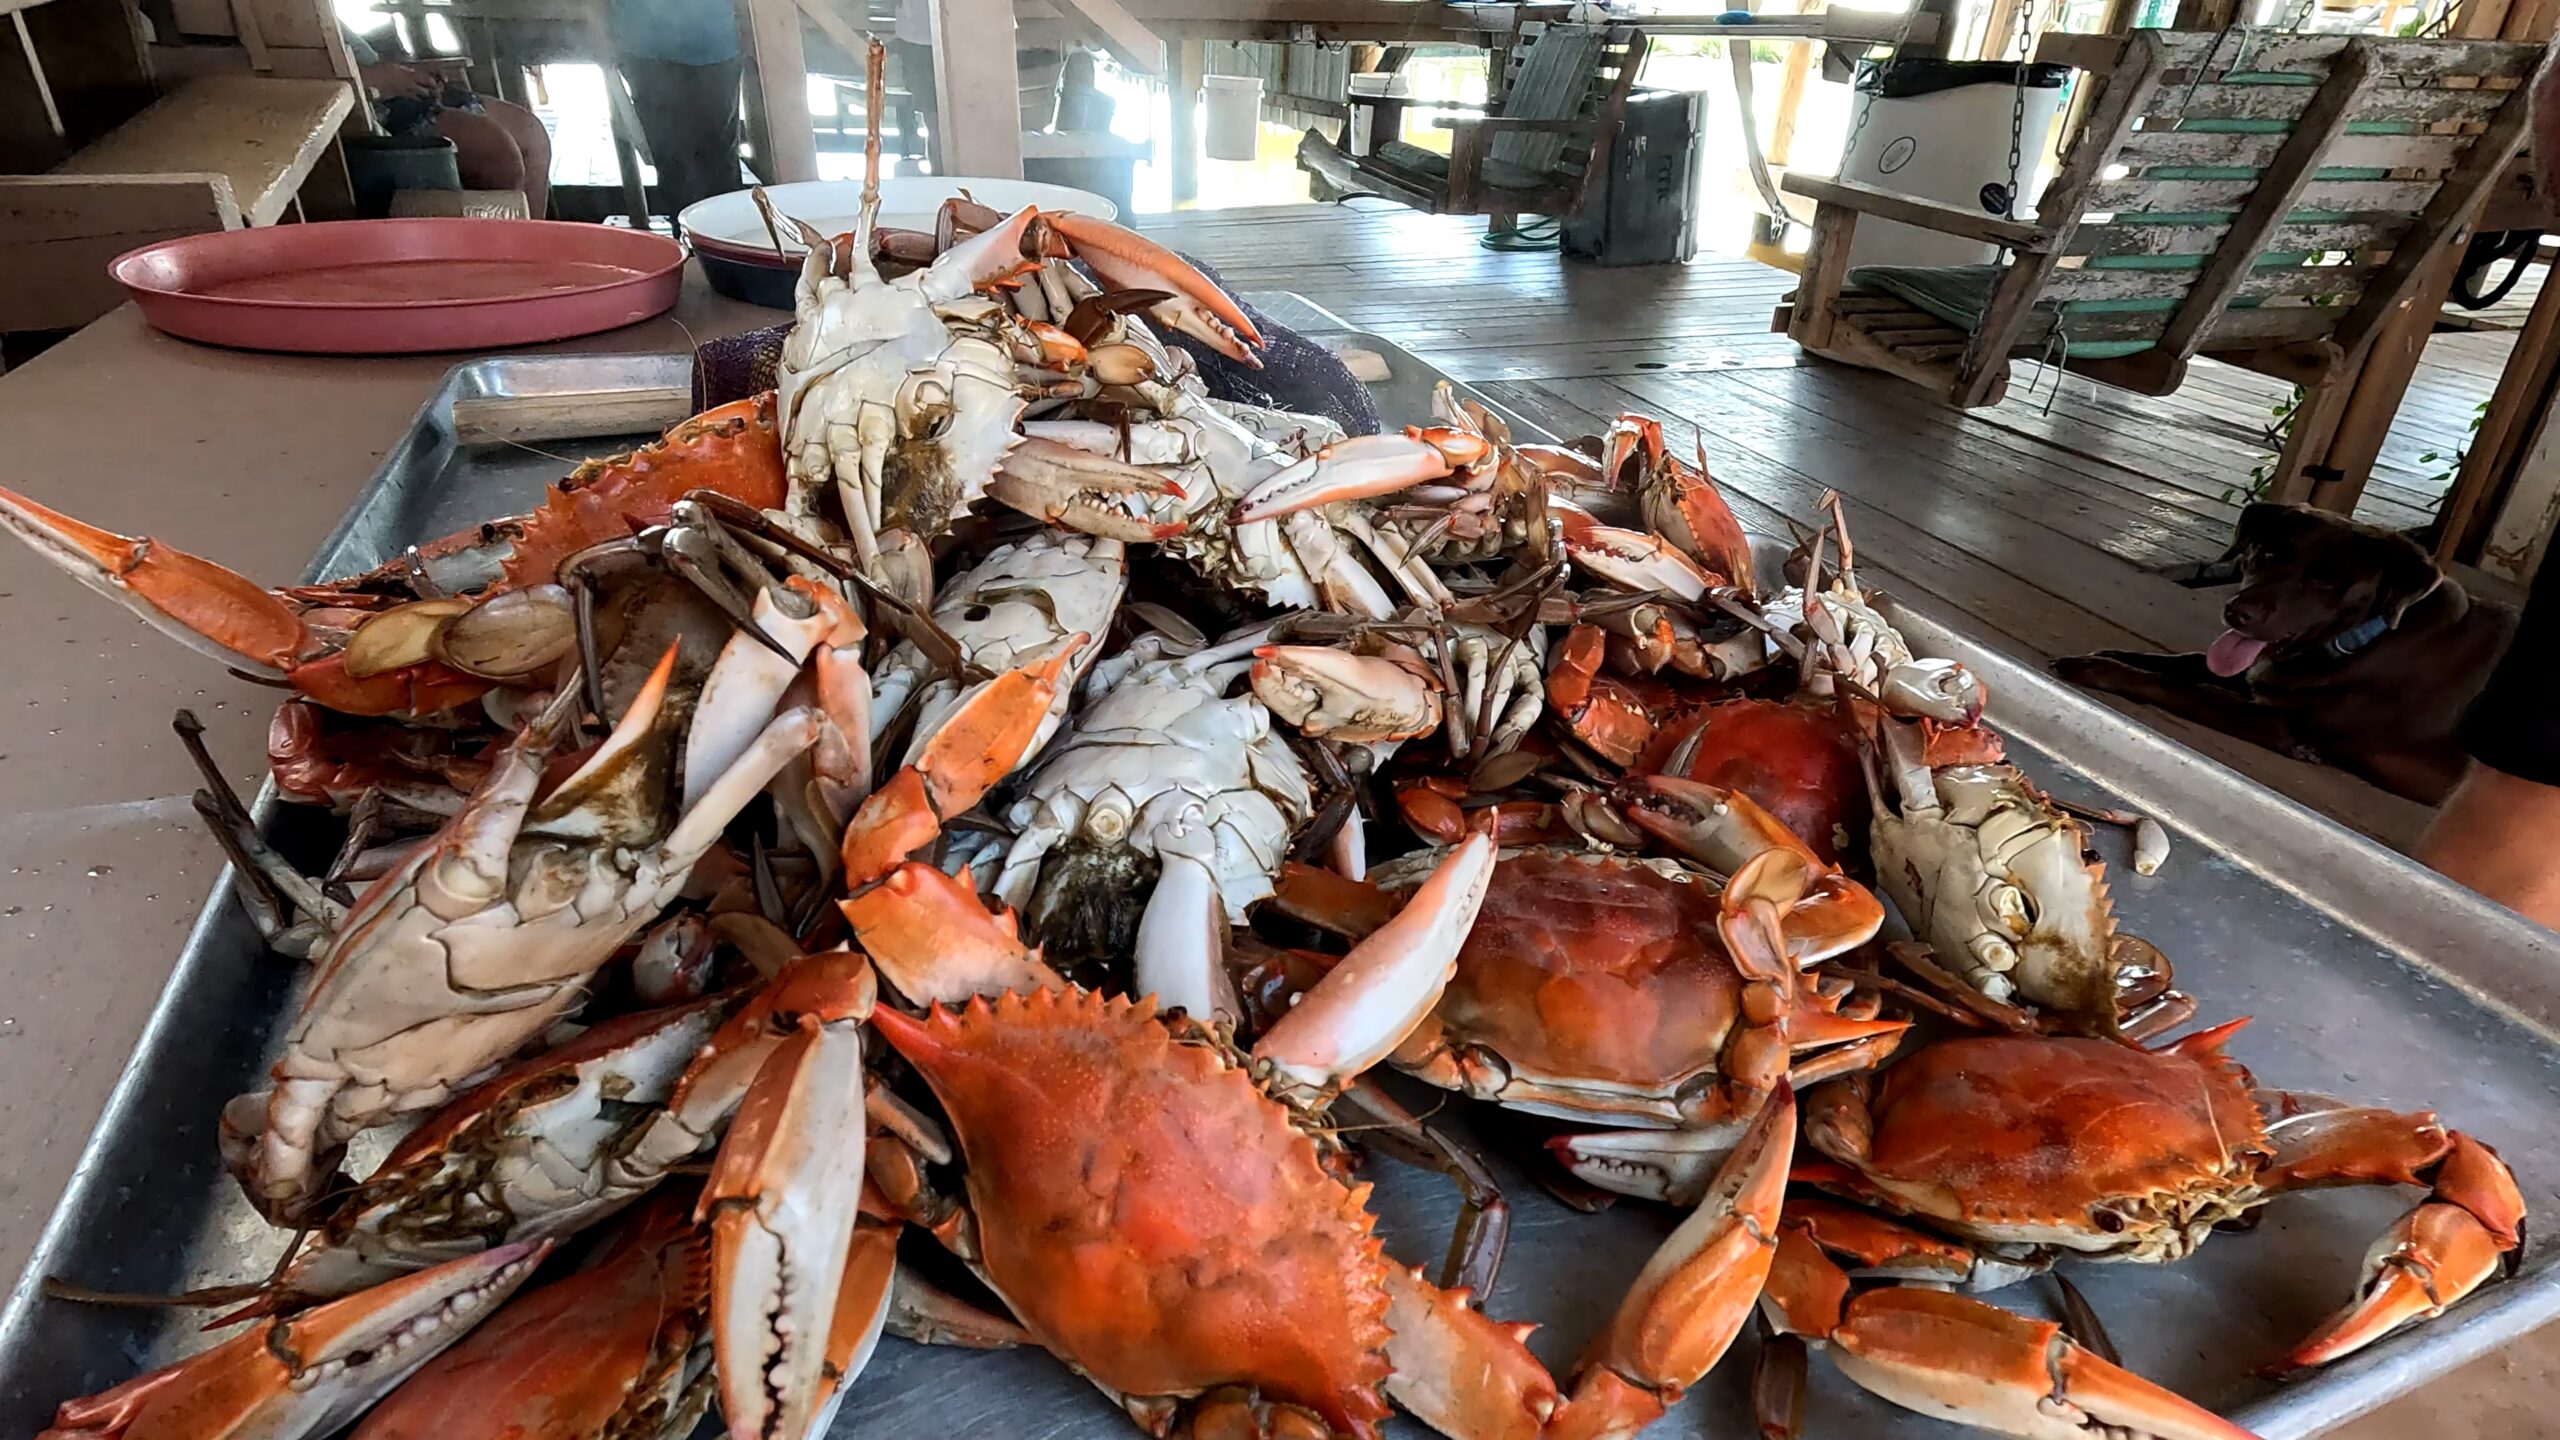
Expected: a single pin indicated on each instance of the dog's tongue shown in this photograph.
(2232, 652)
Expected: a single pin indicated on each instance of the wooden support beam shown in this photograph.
(2380, 384)
(1909, 210)
(1182, 164)
(1132, 43)
(2525, 389)
(781, 70)
(972, 65)
(2351, 75)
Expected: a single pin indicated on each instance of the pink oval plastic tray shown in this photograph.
(397, 287)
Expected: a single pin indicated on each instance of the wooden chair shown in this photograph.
(1531, 151)
(2262, 198)
(217, 153)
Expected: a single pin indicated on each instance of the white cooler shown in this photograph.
(1939, 130)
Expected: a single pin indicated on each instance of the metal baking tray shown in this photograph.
(2369, 977)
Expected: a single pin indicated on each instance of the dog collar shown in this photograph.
(2348, 642)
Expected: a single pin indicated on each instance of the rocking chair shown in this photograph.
(1533, 149)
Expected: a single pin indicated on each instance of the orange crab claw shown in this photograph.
(201, 605)
(1600, 709)
(2449, 1246)
(1956, 1358)
(303, 1376)
(782, 1220)
(1681, 503)
(1363, 1009)
(589, 1355)
(1127, 260)
(2432, 1257)
(1353, 469)
(1726, 830)
(862, 1312)
(979, 744)
(933, 940)
(1692, 1297)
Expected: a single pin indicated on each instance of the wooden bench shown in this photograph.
(1532, 151)
(2267, 199)
(217, 153)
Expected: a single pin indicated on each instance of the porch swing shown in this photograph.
(2260, 197)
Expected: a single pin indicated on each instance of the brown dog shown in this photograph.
(2347, 647)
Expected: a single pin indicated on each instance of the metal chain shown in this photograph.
(1995, 198)
(1884, 75)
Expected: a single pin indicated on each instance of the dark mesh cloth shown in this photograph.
(1297, 373)
(2514, 726)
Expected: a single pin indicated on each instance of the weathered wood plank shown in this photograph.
(2345, 236)
(2284, 102)
(2146, 194)
(2253, 148)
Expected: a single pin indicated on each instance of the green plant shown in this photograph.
(2279, 429)
(2451, 465)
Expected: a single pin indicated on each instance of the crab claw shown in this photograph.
(1725, 830)
(1692, 1297)
(1081, 490)
(782, 1203)
(1363, 1009)
(1326, 692)
(2433, 1257)
(1940, 690)
(190, 599)
(1358, 468)
(1633, 559)
(1958, 1359)
(306, 1375)
(1127, 260)
(929, 934)
(978, 744)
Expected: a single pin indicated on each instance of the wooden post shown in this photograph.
(1182, 138)
(781, 70)
(975, 82)
(2524, 391)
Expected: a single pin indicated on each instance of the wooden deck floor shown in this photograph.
(2040, 522)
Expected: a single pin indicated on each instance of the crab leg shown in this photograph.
(1368, 1003)
(1127, 260)
(301, 1377)
(1180, 957)
(1692, 1297)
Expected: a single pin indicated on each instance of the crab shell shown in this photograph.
(2084, 1144)
(1595, 986)
(1150, 1214)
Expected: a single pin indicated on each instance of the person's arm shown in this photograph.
(2499, 832)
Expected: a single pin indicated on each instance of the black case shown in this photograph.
(1639, 207)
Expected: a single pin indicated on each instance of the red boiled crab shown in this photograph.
(419, 633)
(2022, 1148)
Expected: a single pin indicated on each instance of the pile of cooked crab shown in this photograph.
(986, 842)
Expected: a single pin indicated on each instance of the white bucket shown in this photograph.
(1234, 126)
(1385, 87)
(1943, 146)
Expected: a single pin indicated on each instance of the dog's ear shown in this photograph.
(2406, 575)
